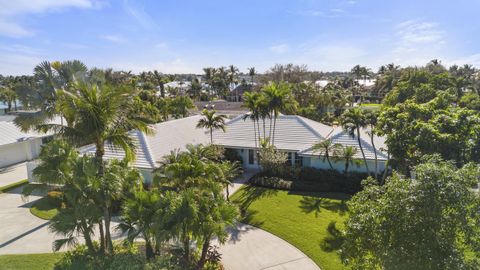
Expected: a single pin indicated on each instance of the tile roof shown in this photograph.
(295, 133)
(150, 149)
(10, 133)
(291, 133)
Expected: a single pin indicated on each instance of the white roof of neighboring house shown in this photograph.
(367, 83)
(322, 83)
(178, 84)
(10, 133)
(291, 133)
(294, 133)
(150, 149)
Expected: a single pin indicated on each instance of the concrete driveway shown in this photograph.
(22, 232)
(255, 249)
(12, 174)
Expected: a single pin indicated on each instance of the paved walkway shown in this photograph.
(12, 174)
(22, 232)
(255, 249)
(248, 247)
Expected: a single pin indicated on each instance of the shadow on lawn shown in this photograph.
(334, 239)
(311, 204)
(253, 193)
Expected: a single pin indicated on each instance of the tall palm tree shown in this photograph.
(100, 115)
(161, 80)
(250, 101)
(352, 120)
(325, 147)
(252, 72)
(232, 78)
(212, 121)
(228, 172)
(371, 120)
(278, 98)
(346, 154)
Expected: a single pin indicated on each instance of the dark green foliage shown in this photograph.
(311, 179)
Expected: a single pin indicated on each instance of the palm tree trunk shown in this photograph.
(258, 130)
(264, 131)
(270, 131)
(211, 136)
(385, 170)
(102, 237)
(255, 132)
(227, 192)
(87, 237)
(375, 153)
(203, 257)
(100, 152)
(361, 149)
(148, 248)
(274, 126)
(327, 156)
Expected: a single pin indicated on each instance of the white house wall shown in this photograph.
(19, 152)
(319, 163)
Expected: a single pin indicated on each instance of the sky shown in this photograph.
(184, 36)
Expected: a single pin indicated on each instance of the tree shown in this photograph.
(353, 120)
(100, 115)
(429, 222)
(371, 120)
(232, 78)
(251, 101)
(212, 121)
(345, 154)
(228, 172)
(252, 72)
(179, 106)
(325, 147)
(278, 97)
(8, 96)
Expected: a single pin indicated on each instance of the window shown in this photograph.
(298, 160)
(251, 157)
(289, 158)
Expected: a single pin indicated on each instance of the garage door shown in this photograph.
(12, 153)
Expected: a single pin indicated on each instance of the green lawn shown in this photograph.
(309, 221)
(29, 261)
(44, 208)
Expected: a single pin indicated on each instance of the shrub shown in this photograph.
(311, 179)
(55, 197)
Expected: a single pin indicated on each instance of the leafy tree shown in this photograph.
(180, 105)
(429, 222)
(212, 121)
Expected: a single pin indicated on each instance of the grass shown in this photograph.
(13, 185)
(44, 208)
(29, 261)
(309, 221)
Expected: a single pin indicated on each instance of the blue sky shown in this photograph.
(175, 36)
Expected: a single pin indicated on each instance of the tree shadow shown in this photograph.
(334, 240)
(310, 204)
(252, 193)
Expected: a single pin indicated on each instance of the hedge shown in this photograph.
(312, 179)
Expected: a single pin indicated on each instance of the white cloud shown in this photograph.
(11, 12)
(280, 48)
(138, 13)
(417, 31)
(17, 64)
(168, 66)
(114, 38)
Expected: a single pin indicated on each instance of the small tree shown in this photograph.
(212, 121)
(271, 160)
(325, 148)
(430, 222)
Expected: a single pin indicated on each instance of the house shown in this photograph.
(150, 149)
(17, 146)
(296, 135)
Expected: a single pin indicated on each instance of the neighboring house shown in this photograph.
(150, 149)
(17, 146)
(223, 107)
(296, 135)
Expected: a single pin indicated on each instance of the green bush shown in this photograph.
(311, 179)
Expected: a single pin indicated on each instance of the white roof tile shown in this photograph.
(150, 149)
(10, 133)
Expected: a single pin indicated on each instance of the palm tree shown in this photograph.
(278, 98)
(139, 216)
(229, 171)
(371, 120)
(325, 147)
(346, 154)
(161, 80)
(100, 115)
(212, 121)
(352, 120)
(232, 78)
(250, 101)
(252, 72)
